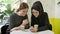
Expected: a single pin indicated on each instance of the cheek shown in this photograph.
(34, 14)
(22, 13)
(25, 13)
(37, 14)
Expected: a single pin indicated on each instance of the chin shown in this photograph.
(36, 16)
(23, 15)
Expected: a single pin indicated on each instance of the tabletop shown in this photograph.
(29, 32)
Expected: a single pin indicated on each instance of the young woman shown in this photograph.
(39, 17)
(19, 18)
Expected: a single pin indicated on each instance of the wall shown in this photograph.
(57, 17)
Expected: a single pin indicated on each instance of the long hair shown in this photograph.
(22, 6)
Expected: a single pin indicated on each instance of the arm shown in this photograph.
(47, 24)
(32, 22)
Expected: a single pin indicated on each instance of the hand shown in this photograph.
(33, 29)
(22, 27)
(25, 22)
(15, 28)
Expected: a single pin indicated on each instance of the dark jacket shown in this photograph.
(15, 21)
(42, 20)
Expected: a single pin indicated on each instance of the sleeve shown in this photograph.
(32, 22)
(47, 25)
(28, 25)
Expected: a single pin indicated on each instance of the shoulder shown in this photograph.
(12, 15)
(45, 13)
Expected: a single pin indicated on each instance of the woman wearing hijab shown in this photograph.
(39, 17)
(19, 18)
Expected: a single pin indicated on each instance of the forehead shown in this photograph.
(25, 9)
(34, 10)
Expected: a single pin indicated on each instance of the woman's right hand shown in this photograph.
(32, 29)
(15, 28)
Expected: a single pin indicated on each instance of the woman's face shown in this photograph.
(35, 13)
(23, 12)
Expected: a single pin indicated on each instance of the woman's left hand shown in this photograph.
(24, 22)
(33, 29)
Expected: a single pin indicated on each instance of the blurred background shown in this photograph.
(52, 7)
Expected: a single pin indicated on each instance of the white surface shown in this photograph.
(28, 32)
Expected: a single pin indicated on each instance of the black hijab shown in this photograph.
(37, 6)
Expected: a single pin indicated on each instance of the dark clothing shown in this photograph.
(16, 20)
(3, 29)
(42, 20)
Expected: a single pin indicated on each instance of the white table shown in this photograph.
(29, 32)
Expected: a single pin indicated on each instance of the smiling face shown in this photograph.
(23, 12)
(35, 12)
(23, 9)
